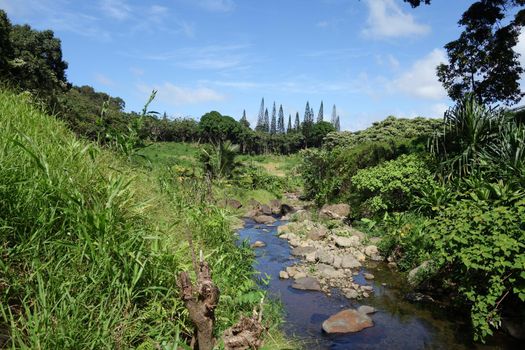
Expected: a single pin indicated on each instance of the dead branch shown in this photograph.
(201, 300)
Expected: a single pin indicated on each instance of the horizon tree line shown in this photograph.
(276, 124)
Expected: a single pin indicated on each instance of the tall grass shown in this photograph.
(89, 247)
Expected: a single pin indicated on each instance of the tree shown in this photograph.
(320, 115)
(244, 121)
(337, 124)
(319, 131)
(289, 129)
(260, 117)
(273, 125)
(6, 50)
(334, 116)
(482, 60)
(218, 128)
(280, 121)
(297, 123)
(37, 63)
(266, 123)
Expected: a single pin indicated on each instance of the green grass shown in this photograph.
(172, 153)
(90, 245)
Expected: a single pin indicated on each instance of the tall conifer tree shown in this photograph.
(297, 124)
(320, 116)
(266, 123)
(280, 121)
(273, 125)
(260, 118)
(289, 129)
(334, 116)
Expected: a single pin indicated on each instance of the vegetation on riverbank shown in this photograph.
(91, 244)
(454, 199)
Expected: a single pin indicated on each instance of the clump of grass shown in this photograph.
(90, 246)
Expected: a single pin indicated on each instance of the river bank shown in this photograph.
(398, 322)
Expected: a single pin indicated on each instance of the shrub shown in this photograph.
(392, 186)
(480, 245)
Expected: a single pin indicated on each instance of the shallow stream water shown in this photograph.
(398, 324)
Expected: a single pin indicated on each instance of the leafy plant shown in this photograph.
(392, 185)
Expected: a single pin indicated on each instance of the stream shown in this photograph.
(398, 324)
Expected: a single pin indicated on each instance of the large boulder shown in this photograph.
(350, 262)
(303, 251)
(265, 210)
(317, 233)
(325, 256)
(371, 250)
(334, 211)
(231, 203)
(346, 242)
(413, 275)
(264, 219)
(307, 283)
(327, 271)
(347, 321)
(275, 205)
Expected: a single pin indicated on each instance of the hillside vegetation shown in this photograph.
(91, 246)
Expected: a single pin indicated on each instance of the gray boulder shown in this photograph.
(307, 283)
(346, 242)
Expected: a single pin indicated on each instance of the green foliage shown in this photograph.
(405, 238)
(218, 128)
(392, 185)
(482, 61)
(37, 65)
(327, 174)
(219, 161)
(391, 128)
(481, 242)
(319, 132)
(90, 246)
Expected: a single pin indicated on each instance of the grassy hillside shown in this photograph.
(90, 246)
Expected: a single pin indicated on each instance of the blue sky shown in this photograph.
(371, 58)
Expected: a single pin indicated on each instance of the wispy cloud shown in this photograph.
(104, 80)
(387, 20)
(420, 80)
(212, 57)
(215, 5)
(182, 95)
(116, 9)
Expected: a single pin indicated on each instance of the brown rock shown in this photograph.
(258, 244)
(347, 321)
(334, 211)
(264, 219)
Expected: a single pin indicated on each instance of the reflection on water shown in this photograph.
(398, 324)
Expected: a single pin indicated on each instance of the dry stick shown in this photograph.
(201, 300)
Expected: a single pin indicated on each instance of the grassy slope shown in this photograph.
(184, 155)
(90, 246)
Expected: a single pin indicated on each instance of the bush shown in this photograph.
(480, 245)
(393, 185)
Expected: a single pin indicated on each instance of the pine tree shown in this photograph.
(260, 117)
(273, 126)
(306, 119)
(312, 116)
(289, 129)
(337, 124)
(297, 124)
(320, 115)
(266, 123)
(244, 121)
(334, 116)
(280, 121)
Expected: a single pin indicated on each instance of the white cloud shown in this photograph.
(181, 95)
(322, 24)
(104, 80)
(421, 80)
(215, 5)
(438, 110)
(117, 9)
(387, 20)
